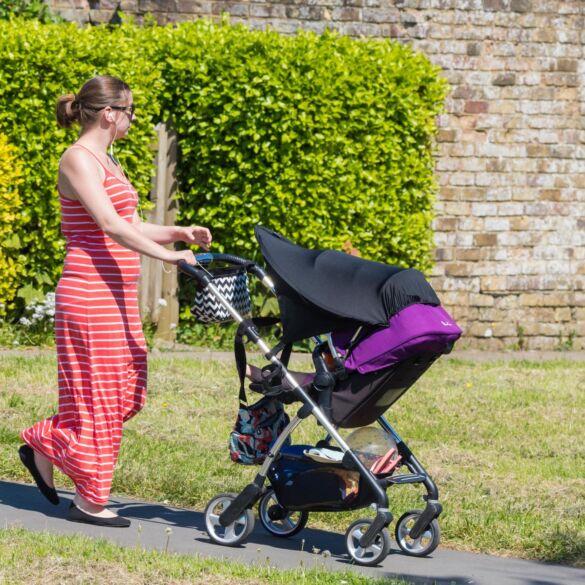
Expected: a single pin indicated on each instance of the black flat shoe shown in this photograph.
(27, 456)
(77, 515)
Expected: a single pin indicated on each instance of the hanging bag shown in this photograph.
(257, 425)
(232, 283)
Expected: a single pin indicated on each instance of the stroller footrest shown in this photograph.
(431, 511)
(245, 499)
(382, 519)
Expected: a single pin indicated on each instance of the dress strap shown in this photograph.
(94, 156)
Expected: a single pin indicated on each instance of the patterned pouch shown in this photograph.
(257, 428)
(232, 283)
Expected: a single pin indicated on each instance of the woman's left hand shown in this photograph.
(195, 234)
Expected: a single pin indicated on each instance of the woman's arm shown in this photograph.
(82, 175)
(163, 234)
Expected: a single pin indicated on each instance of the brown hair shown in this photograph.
(96, 94)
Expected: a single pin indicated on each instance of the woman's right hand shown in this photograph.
(177, 255)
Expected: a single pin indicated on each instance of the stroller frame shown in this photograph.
(239, 509)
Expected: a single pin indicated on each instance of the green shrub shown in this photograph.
(323, 138)
(37, 64)
(11, 261)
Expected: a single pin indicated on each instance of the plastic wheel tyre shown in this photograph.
(422, 546)
(371, 555)
(277, 520)
(233, 534)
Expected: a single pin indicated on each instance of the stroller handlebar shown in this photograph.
(208, 257)
(202, 276)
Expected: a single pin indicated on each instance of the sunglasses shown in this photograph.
(130, 108)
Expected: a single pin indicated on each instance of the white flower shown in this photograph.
(162, 303)
(24, 321)
(488, 332)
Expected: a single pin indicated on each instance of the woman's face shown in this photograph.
(123, 115)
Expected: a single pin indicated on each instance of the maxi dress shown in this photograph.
(101, 351)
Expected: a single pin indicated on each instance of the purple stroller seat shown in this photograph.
(385, 362)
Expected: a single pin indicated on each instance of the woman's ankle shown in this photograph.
(86, 505)
(45, 468)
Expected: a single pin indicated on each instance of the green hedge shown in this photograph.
(38, 63)
(324, 138)
(11, 265)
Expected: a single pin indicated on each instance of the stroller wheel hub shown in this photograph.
(371, 555)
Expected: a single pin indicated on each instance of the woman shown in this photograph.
(101, 351)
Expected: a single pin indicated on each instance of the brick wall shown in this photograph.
(510, 227)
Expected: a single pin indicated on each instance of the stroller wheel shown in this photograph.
(425, 544)
(278, 520)
(373, 554)
(233, 534)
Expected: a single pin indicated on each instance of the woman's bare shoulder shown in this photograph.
(76, 169)
(76, 160)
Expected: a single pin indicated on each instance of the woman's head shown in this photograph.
(102, 96)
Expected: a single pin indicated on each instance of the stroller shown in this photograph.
(360, 371)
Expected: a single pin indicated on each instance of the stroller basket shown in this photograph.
(232, 283)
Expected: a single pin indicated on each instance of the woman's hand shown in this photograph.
(197, 235)
(175, 256)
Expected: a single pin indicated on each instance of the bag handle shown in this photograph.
(240, 350)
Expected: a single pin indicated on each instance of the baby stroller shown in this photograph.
(359, 373)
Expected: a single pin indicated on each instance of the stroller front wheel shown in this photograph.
(233, 534)
(278, 520)
(425, 544)
(371, 555)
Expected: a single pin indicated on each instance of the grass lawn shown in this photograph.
(46, 559)
(505, 442)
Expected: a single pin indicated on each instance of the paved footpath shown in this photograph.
(22, 505)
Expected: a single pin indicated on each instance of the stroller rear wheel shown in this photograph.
(233, 534)
(278, 520)
(371, 555)
(425, 544)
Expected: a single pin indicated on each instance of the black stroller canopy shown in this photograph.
(322, 290)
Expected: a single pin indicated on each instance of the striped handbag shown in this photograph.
(232, 283)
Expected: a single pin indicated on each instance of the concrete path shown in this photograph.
(22, 505)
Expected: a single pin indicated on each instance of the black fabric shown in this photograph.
(322, 290)
(240, 350)
(361, 398)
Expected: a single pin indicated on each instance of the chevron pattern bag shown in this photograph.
(232, 283)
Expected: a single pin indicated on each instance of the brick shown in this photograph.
(445, 224)
(444, 254)
(468, 255)
(485, 239)
(521, 5)
(476, 107)
(494, 5)
(505, 79)
(567, 65)
(473, 49)
(445, 135)
(493, 283)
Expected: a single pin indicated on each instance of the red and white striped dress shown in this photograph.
(101, 351)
